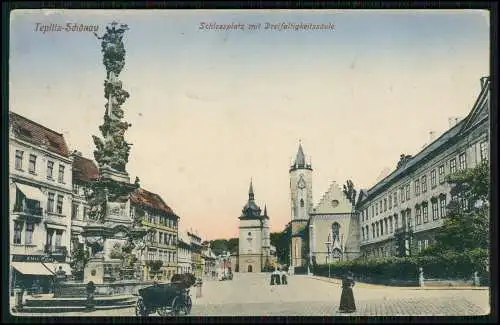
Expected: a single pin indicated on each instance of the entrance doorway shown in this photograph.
(249, 268)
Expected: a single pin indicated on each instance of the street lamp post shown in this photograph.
(328, 246)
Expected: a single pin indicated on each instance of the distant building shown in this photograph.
(162, 223)
(85, 171)
(209, 259)
(254, 240)
(40, 188)
(410, 203)
(196, 258)
(184, 258)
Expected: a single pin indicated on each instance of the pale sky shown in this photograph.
(212, 109)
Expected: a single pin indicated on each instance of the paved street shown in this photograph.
(251, 294)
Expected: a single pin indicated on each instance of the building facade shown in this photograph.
(184, 259)
(40, 190)
(254, 244)
(196, 258)
(325, 233)
(209, 260)
(401, 212)
(161, 241)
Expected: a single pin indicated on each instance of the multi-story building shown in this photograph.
(162, 225)
(84, 172)
(196, 258)
(184, 259)
(209, 260)
(410, 203)
(40, 187)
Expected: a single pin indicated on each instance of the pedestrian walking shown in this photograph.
(90, 295)
(347, 303)
(283, 277)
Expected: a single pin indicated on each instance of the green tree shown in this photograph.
(467, 224)
(281, 240)
(154, 267)
(79, 259)
(350, 192)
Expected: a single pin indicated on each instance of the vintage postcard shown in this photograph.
(249, 163)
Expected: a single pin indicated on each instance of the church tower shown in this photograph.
(301, 206)
(253, 242)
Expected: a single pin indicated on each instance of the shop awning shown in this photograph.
(31, 268)
(31, 192)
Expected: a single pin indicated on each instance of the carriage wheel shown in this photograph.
(189, 305)
(163, 311)
(140, 308)
(178, 307)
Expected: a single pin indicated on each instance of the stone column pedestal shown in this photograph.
(94, 271)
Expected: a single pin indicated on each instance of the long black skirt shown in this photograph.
(347, 304)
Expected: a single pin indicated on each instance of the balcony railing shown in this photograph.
(34, 211)
(56, 250)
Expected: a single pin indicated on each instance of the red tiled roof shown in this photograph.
(38, 134)
(152, 200)
(84, 169)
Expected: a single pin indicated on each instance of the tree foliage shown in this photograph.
(219, 246)
(79, 258)
(467, 224)
(350, 192)
(281, 240)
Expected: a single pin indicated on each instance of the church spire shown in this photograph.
(250, 191)
(265, 210)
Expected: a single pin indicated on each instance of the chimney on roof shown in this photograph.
(483, 81)
(432, 136)
(452, 121)
(77, 153)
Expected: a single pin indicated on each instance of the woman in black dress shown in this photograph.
(347, 304)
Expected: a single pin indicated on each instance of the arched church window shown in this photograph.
(335, 231)
(301, 203)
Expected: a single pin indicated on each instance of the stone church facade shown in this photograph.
(329, 231)
(254, 243)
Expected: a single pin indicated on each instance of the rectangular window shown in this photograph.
(59, 204)
(391, 228)
(50, 203)
(483, 150)
(363, 233)
(378, 229)
(19, 160)
(419, 246)
(28, 240)
(50, 169)
(390, 201)
(425, 213)
(74, 211)
(417, 186)
(385, 204)
(60, 178)
(396, 221)
(381, 227)
(433, 178)
(407, 192)
(58, 238)
(386, 226)
(426, 243)
(18, 229)
(32, 164)
(376, 208)
(453, 165)
(441, 174)
(464, 204)
(418, 215)
(76, 188)
(160, 238)
(85, 213)
(462, 164)
(395, 196)
(424, 184)
(435, 210)
(442, 206)
(402, 194)
(372, 211)
(373, 230)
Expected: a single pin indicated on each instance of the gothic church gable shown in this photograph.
(333, 201)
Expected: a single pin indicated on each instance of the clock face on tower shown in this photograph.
(302, 183)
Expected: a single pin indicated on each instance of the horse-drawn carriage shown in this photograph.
(169, 299)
